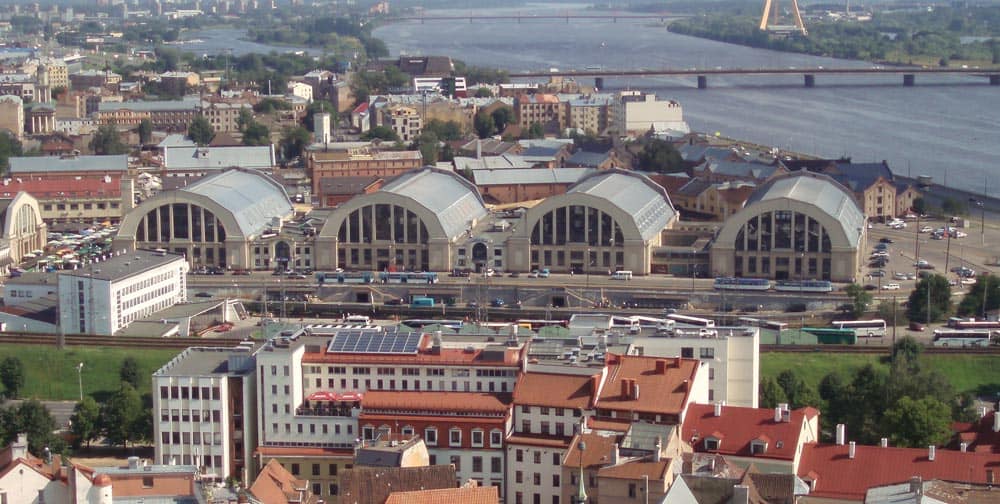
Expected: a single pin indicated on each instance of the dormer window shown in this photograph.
(712, 443)
(758, 447)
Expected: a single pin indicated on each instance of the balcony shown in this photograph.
(324, 410)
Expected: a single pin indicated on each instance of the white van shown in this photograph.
(622, 275)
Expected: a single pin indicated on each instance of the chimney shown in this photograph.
(614, 454)
(996, 421)
(783, 406)
(884, 442)
(718, 409)
(677, 362)
(963, 447)
(741, 494)
(916, 485)
(133, 463)
(851, 450)
(777, 414)
(626, 391)
(656, 451)
(931, 451)
(841, 434)
(20, 447)
(661, 367)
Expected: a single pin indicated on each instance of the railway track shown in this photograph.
(182, 343)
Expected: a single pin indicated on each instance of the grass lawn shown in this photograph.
(967, 373)
(51, 374)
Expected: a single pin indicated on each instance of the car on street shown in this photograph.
(876, 273)
(890, 286)
(885, 240)
(899, 275)
(203, 295)
(514, 274)
(926, 229)
(533, 274)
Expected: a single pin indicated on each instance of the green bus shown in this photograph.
(828, 336)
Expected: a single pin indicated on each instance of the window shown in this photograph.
(538, 457)
(555, 459)
(518, 477)
(496, 438)
(519, 455)
(147, 482)
(477, 464)
(711, 444)
(457, 462)
(431, 436)
(477, 438)
(706, 353)
(536, 478)
(455, 437)
(687, 352)
(758, 446)
(315, 470)
(555, 480)
(295, 469)
(496, 465)
(334, 489)
(631, 490)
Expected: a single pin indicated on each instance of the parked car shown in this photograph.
(203, 295)
(899, 276)
(885, 240)
(891, 286)
(533, 274)
(514, 274)
(394, 302)
(926, 229)
(876, 273)
(916, 326)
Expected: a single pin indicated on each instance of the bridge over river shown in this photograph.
(909, 74)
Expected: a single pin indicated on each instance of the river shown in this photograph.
(945, 126)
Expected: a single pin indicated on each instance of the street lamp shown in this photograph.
(79, 376)
(691, 265)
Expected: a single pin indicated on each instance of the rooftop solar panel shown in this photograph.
(374, 342)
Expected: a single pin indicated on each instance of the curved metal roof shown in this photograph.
(446, 194)
(253, 197)
(820, 191)
(635, 194)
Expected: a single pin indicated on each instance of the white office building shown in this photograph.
(203, 407)
(731, 353)
(104, 297)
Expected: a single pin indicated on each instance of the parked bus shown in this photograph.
(407, 277)
(962, 337)
(764, 324)
(969, 323)
(691, 321)
(622, 275)
(737, 283)
(863, 328)
(828, 336)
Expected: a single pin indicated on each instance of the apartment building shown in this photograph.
(203, 410)
(224, 115)
(543, 109)
(359, 161)
(165, 115)
(636, 113)
(12, 115)
(590, 114)
(404, 121)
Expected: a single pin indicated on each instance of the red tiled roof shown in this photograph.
(429, 419)
(739, 426)
(464, 495)
(636, 470)
(596, 451)
(664, 392)
(360, 108)
(436, 401)
(979, 435)
(68, 187)
(276, 485)
(609, 424)
(554, 390)
(839, 477)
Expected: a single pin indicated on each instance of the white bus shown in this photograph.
(863, 328)
(691, 321)
(765, 324)
(962, 337)
(622, 275)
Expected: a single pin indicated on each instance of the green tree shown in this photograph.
(319, 106)
(129, 372)
(986, 288)
(9, 147)
(12, 376)
(256, 133)
(33, 419)
(952, 206)
(940, 299)
(917, 423)
(107, 141)
(660, 156)
(382, 132)
(920, 205)
(536, 130)
(484, 125)
(771, 393)
(145, 131)
(906, 354)
(860, 299)
(446, 131)
(429, 146)
(200, 131)
(245, 119)
(121, 416)
(85, 421)
(484, 92)
(294, 141)
(502, 117)
(798, 392)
